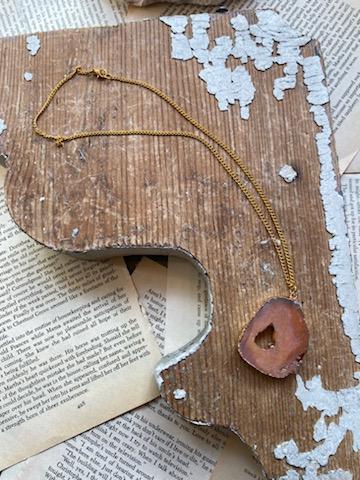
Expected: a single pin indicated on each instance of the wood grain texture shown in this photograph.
(169, 193)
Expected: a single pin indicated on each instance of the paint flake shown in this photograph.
(177, 23)
(200, 24)
(267, 268)
(180, 47)
(288, 173)
(75, 232)
(179, 394)
(33, 44)
(3, 126)
(28, 76)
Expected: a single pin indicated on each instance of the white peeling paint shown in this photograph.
(267, 268)
(28, 76)
(271, 27)
(75, 232)
(313, 79)
(199, 42)
(256, 42)
(3, 126)
(288, 173)
(226, 84)
(180, 47)
(345, 404)
(331, 475)
(333, 202)
(177, 23)
(244, 46)
(179, 394)
(33, 44)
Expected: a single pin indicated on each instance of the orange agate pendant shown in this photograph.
(289, 343)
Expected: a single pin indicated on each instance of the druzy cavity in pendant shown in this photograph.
(290, 338)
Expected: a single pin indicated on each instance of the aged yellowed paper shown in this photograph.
(149, 278)
(30, 16)
(237, 463)
(187, 303)
(151, 442)
(350, 184)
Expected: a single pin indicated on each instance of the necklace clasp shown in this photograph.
(98, 72)
(101, 73)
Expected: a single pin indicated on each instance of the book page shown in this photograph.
(29, 16)
(354, 166)
(150, 443)
(350, 184)
(74, 344)
(237, 463)
(149, 278)
(147, 444)
(336, 24)
(184, 318)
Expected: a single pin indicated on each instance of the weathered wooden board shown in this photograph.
(170, 194)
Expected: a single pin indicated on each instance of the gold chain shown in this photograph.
(272, 224)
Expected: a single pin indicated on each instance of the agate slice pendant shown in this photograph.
(284, 319)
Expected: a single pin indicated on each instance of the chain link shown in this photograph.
(265, 213)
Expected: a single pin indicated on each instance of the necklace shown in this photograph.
(282, 314)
